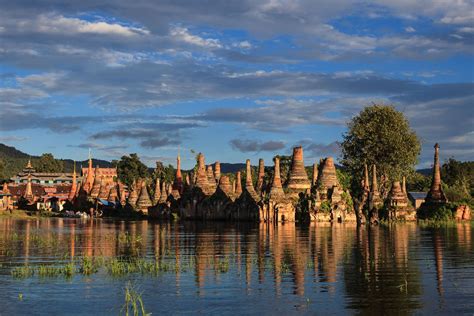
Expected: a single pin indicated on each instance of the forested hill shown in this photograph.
(13, 161)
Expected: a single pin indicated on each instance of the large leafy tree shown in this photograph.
(47, 163)
(130, 168)
(380, 135)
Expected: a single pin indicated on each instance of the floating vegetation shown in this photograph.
(22, 272)
(133, 304)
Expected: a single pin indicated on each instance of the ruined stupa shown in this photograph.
(276, 189)
(435, 194)
(177, 188)
(133, 195)
(298, 179)
(224, 185)
(375, 201)
(211, 179)
(328, 176)
(248, 180)
(396, 197)
(202, 181)
(157, 194)
(261, 175)
(217, 171)
(314, 178)
(238, 184)
(143, 202)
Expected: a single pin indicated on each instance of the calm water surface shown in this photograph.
(222, 268)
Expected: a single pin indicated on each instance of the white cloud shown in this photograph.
(59, 24)
(410, 29)
(183, 34)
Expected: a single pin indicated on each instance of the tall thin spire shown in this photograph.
(276, 189)
(314, 180)
(72, 193)
(436, 194)
(366, 178)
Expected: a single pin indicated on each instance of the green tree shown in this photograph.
(47, 163)
(380, 135)
(130, 168)
(2, 170)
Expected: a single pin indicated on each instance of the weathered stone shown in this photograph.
(202, 181)
(397, 204)
(463, 212)
(217, 172)
(366, 186)
(211, 180)
(261, 175)
(157, 193)
(435, 194)
(224, 185)
(314, 178)
(298, 179)
(177, 188)
(248, 181)
(144, 202)
(89, 180)
(164, 194)
(94, 193)
(375, 201)
(133, 195)
(328, 178)
(276, 189)
(238, 184)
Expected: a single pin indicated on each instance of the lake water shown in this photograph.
(221, 268)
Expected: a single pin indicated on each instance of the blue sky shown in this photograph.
(232, 79)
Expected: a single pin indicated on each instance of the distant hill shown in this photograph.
(15, 160)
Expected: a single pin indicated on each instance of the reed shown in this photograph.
(22, 272)
(133, 304)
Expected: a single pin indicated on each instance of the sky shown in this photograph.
(232, 79)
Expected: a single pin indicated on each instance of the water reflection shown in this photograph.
(370, 269)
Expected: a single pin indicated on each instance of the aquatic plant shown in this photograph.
(133, 304)
(22, 272)
(87, 266)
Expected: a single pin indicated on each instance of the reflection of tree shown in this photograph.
(379, 275)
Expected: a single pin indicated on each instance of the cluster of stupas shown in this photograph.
(207, 193)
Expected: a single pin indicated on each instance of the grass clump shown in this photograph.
(133, 304)
(23, 272)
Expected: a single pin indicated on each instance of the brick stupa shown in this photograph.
(224, 185)
(435, 194)
(133, 196)
(144, 202)
(298, 180)
(202, 181)
(396, 197)
(276, 189)
(261, 175)
(328, 176)
(375, 200)
(177, 188)
(217, 171)
(238, 184)
(248, 180)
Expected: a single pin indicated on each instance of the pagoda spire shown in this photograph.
(28, 191)
(72, 193)
(276, 190)
(436, 194)
(178, 180)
